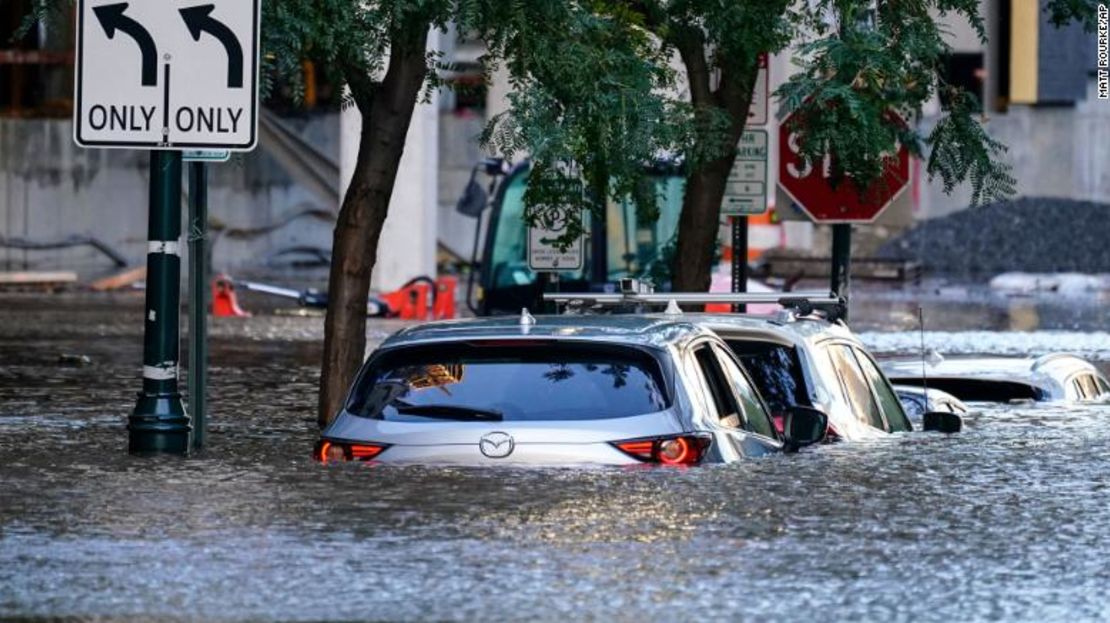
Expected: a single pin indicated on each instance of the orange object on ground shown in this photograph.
(444, 305)
(119, 280)
(410, 302)
(423, 299)
(224, 302)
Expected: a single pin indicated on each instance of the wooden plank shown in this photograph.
(119, 280)
(37, 277)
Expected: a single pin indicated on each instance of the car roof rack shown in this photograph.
(636, 297)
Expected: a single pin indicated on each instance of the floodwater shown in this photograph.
(1004, 521)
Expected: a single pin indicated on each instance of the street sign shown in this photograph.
(757, 110)
(746, 189)
(543, 253)
(174, 74)
(808, 186)
(206, 155)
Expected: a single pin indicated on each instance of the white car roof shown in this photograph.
(783, 328)
(1033, 371)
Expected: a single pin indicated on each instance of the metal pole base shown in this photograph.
(158, 425)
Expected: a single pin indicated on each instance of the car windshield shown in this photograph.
(496, 381)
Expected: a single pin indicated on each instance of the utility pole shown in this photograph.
(159, 423)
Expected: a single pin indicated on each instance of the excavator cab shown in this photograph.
(617, 246)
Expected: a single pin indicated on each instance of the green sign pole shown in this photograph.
(159, 423)
(198, 300)
(739, 259)
(841, 273)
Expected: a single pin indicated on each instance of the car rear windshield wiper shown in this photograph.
(449, 412)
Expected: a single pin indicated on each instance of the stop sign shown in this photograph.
(808, 185)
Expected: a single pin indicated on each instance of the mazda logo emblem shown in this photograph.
(496, 445)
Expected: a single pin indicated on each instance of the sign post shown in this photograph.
(745, 194)
(746, 189)
(545, 256)
(164, 77)
(807, 185)
(840, 273)
(198, 300)
(158, 423)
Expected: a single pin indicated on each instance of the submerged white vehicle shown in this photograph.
(917, 401)
(802, 357)
(1050, 378)
(549, 390)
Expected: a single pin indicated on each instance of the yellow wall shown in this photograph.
(1024, 19)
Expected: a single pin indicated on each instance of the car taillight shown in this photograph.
(676, 450)
(328, 451)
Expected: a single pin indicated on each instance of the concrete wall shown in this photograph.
(1056, 151)
(458, 153)
(51, 189)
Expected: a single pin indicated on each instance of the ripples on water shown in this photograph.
(1006, 520)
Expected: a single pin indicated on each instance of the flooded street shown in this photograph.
(1003, 521)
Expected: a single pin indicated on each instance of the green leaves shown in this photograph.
(873, 62)
(585, 106)
(1061, 12)
(962, 151)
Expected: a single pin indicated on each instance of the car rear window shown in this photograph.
(495, 381)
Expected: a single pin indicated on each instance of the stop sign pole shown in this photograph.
(808, 186)
(840, 273)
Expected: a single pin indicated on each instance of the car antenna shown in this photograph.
(921, 332)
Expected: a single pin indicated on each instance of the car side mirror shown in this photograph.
(942, 422)
(804, 426)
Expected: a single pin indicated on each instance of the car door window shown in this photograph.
(1080, 384)
(1089, 385)
(1103, 386)
(776, 371)
(1076, 389)
(864, 406)
(754, 416)
(723, 402)
(888, 401)
(914, 407)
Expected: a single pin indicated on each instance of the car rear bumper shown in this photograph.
(521, 454)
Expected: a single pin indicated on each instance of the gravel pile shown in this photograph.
(1030, 234)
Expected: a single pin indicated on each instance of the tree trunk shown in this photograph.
(699, 223)
(387, 110)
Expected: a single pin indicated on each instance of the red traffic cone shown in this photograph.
(224, 302)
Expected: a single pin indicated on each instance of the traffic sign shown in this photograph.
(808, 185)
(206, 155)
(757, 110)
(543, 252)
(746, 189)
(174, 74)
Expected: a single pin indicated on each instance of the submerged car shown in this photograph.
(606, 389)
(1053, 377)
(801, 357)
(917, 401)
(816, 362)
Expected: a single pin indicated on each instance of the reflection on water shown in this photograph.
(1006, 520)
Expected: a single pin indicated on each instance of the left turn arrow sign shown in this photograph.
(111, 18)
